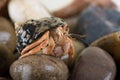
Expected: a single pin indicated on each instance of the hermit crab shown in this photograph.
(49, 36)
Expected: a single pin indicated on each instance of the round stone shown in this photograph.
(94, 64)
(39, 67)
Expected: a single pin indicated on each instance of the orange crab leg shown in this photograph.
(71, 53)
(36, 49)
(69, 48)
(49, 49)
(36, 43)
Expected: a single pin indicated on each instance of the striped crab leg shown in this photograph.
(36, 46)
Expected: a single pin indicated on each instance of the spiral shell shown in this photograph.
(31, 30)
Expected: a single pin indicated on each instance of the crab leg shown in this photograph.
(36, 43)
(69, 48)
(49, 49)
(36, 49)
(67, 43)
(71, 53)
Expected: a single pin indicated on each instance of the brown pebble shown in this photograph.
(39, 67)
(2, 78)
(110, 43)
(94, 64)
(7, 34)
(79, 5)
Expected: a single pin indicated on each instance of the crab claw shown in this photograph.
(36, 46)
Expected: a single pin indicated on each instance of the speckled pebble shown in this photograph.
(39, 67)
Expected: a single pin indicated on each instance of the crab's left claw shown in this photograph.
(36, 46)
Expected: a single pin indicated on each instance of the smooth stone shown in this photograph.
(117, 4)
(2, 3)
(39, 67)
(6, 58)
(7, 34)
(94, 64)
(2, 78)
(4, 8)
(78, 46)
(72, 22)
(95, 22)
(118, 71)
(77, 6)
(110, 43)
(53, 5)
(22, 10)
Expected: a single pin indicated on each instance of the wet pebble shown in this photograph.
(39, 67)
(7, 34)
(94, 64)
(6, 58)
(110, 43)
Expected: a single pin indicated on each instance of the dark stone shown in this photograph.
(96, 22)
(2, 78)
(6, 58)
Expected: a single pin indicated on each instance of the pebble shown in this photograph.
(39, 67)
(95, 22)
(94, 64)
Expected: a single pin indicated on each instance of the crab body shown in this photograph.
(48, 35)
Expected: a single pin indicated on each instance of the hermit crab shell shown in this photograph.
(31, 30)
